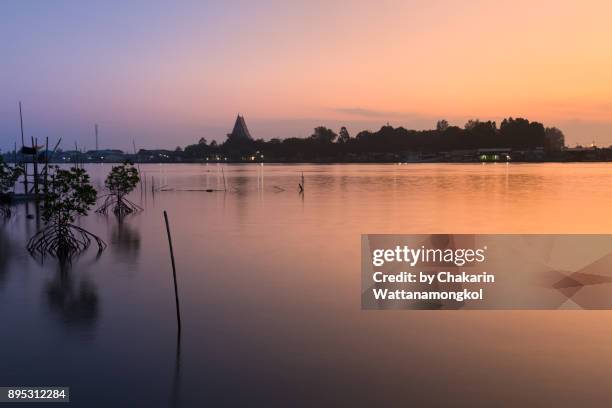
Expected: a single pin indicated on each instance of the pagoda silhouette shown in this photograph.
(240, 131)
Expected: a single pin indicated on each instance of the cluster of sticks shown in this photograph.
(63, 242)
(121, 205)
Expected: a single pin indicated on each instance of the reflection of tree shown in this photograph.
(5, 253)
(240, 186)
(125, 241)
(76, 302)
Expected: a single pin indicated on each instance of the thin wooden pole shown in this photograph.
(76, 152)
(54, 151)
(25, 164)
(35, 165)
(21, 123)
(46, 190)
(176, 296)
(135, 161)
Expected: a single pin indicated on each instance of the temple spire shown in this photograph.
(240, 131)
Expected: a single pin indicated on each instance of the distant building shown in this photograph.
(240, 131)
(495, 154)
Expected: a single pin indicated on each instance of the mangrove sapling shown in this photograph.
(121, 181)
(70, 195)
(8, 178)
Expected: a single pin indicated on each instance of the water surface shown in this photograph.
(270, 292)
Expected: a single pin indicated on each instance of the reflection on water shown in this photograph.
(76, 303)
(125, 239)
(176, 380)
(270, 292)
(6, 250)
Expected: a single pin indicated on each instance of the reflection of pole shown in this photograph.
(176, 296)
(224, 184)
(177, 373)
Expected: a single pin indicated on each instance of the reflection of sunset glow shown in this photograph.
(190, 70)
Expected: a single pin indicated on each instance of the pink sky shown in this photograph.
(166, 74)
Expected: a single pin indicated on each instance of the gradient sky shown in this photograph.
(167, 73)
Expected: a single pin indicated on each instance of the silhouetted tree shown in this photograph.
(442, 125)
(471, 124)
(323, 135)
(70, 195)
(520, 133)
(121, 181)
(344, 136)
(8, 178)
(202, 141)
(197, 151)
(555, 139)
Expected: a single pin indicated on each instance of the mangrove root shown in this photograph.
(119, 205)
(63, 242)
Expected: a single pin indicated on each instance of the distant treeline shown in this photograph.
(325, 144)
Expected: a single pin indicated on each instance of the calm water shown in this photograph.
(270, 293)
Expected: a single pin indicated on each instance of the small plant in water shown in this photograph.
(70, 195)
(121, 181)
(8, 178)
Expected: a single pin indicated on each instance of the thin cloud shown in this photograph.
(373, 113)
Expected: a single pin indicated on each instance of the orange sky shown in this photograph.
(149, 69)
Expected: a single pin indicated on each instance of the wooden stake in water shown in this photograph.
(176, 296)
(46, 186)
(301, 185)
(25, 162)
(35, 166)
